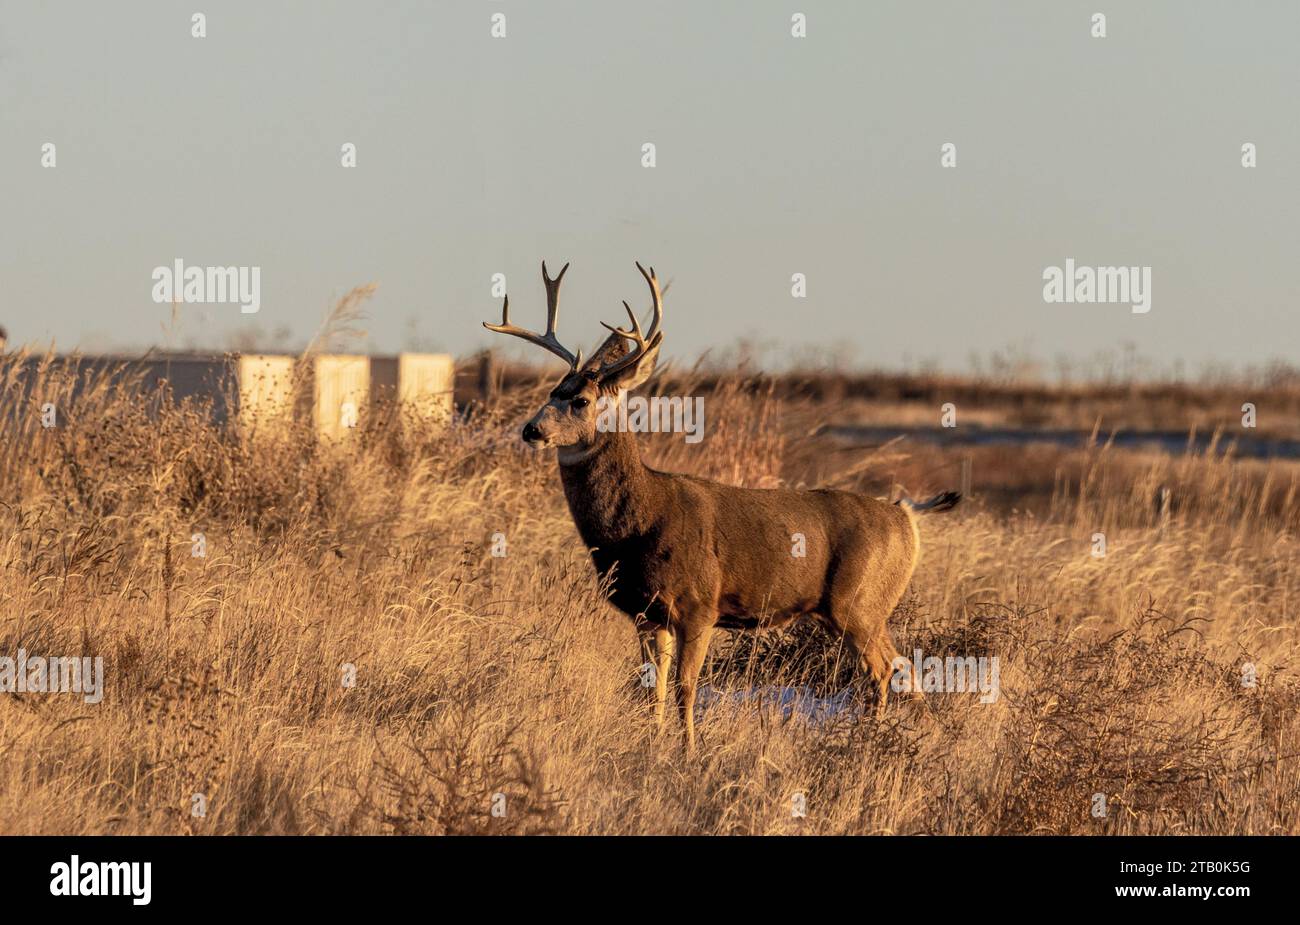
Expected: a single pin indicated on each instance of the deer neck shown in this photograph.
(608, 488)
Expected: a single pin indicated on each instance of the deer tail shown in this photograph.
(944, 501)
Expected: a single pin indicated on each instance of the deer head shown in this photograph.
(569, 417)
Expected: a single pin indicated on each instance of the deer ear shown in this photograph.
(636, 374)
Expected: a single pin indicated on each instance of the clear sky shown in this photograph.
(775, 155)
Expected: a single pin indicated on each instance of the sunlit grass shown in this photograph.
(479, 675)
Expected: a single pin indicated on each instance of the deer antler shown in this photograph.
(644, 342)
(548, 340)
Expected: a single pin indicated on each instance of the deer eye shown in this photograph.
(580, 403)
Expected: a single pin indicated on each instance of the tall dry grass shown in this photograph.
(479, 676)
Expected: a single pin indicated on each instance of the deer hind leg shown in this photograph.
(862, 623)
(875, 653)
(878, 658)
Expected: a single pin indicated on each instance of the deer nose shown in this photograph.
(532, 433)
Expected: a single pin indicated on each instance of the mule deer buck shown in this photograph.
(683, 555)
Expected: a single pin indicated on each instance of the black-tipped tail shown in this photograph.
(944, 501)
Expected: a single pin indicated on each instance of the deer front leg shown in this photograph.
(664, 648)
(693, 643)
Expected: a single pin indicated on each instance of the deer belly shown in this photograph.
(736, 613)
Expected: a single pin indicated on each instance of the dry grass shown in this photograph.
(478, 675)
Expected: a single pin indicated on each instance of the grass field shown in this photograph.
(487, 681)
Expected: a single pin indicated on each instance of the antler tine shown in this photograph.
(547, 341)
(634, 334)
(553, 296)
(644, 342)
(656, 296)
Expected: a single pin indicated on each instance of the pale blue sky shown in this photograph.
(775, 155)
